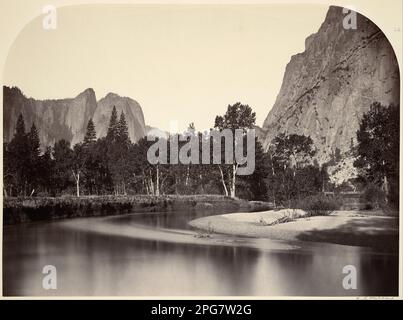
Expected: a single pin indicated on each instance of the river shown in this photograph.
(157, 254)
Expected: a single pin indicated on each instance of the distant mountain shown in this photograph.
(68, 118)
(155, 132)
(132, 110)
(327, 88)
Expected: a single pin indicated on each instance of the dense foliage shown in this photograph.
(286, 174)
(378, 151)
(114, 165)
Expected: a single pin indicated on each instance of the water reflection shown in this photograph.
(89, 263)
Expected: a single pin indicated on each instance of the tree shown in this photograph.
(91, 166)
(79, 158)
(113, 126)
(33, 138)
(238, 116)
(293, 151)
(63, 161)
(378, 148)
(291, 156)
(146, 172)
(17, 159)
(20, 127)
(22, 160)
(34, 158)
(45, 169)
(256, 183)
(122, 130)
(118, 152)
(91, 134)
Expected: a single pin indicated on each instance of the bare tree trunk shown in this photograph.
(78, 184)
(145, 186)
(124, 188)
(201, 183)
(151, 186)
(151, 183)
(77, 178)
(187, 176)
(386, 188)
(233, 180)
(145, 182)
(176, 185)
(223, 181)
(157, 189)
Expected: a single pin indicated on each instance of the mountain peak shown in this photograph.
(112, 95)
(68, 118)
(89, 92)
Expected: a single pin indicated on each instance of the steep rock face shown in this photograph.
(68, 118)
(327, 88)
(55, 119)
(131, 109)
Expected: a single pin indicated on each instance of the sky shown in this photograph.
(182, 63)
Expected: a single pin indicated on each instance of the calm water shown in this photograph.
(120, 256)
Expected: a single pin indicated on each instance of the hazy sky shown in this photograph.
(181, 63)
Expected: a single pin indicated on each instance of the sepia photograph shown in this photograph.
(201, 150)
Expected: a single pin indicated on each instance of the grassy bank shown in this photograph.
(21, 210)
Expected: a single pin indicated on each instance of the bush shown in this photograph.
(318, 205)
(374, 196)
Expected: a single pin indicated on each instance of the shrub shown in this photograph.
(374, 196)
(318, 205)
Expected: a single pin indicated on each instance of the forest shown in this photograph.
(113, 164)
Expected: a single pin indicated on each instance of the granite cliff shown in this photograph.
(327, 88)
(68, 118)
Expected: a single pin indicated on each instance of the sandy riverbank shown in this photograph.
(355, 228)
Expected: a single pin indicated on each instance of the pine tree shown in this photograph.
(113, 125)
(33, 161)
(91, 134)
(45, 171)
(89, 155)
(33, 138)
(20, 128)
(122, 129)
(118, 156)
(18, 158)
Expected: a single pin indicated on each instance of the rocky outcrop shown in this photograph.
(327, 88)
(68, 118)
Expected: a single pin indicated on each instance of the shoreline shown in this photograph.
(352, 228)
(33, 209)
(169, 235)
